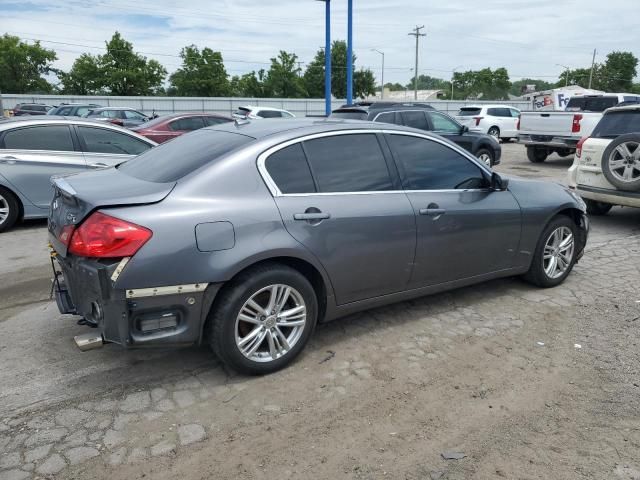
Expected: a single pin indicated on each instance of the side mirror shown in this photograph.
(498, 183)
(464, 129)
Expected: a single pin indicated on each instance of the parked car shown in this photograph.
(544, 133)
(72, 109)
(485, 147)
(378, 104)
(244, 236)
(34, 149)
(30, 109)
(168, 127)
(252, 112)
(606, 167)
(499, 121)
(125, 117)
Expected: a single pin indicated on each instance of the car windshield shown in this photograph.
(469, 111)
(173, 160)
(349, 115)
(615, 124)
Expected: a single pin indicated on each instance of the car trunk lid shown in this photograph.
(76, 196)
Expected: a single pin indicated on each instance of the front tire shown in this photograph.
(597, 208)
(555, 253)
(9, 209)
(537, 155)
(263, 319)
(486, 156)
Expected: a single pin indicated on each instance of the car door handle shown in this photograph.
(311, 216)
(99, 165)
(432, 212)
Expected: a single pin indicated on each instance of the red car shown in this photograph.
(171, 126)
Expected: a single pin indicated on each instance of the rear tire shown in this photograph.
(537, 154)
(597, 208)
(486, 156)
(9, 209)
(494, 132)
(555, 254)
(239, 320)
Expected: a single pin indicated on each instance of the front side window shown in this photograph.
(415, 119)
(64, 111)
(186, 124)
(102, 140)
(428, 165)
(514, 113)
(388, 117)
(289, 169)
(348, 163)
(50, 137)
(442, 123)
(133, 115)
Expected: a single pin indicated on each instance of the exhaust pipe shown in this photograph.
(88, 341)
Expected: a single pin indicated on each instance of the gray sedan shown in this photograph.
(33, 149)
(245, 236)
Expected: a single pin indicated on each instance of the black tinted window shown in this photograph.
(269, 114)
(415, 119)
(591, 104)
(444, 124)
(187, 123)
(210, 121)
(349, 115)
(289, 169)
(102, 140)
(50, 137)
(348, 163)
(428, 165)
(64, 111)
(177, 158)
(617, 123)
(387, 117)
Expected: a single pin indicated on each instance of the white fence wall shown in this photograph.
(164, 105)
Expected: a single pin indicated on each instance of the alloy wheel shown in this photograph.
(270, 323)
(486, 158)
(624, 162)
(4, 209)
(558, 252)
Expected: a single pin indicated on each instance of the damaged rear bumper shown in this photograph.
(158, 316)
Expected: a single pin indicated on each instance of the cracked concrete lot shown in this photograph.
(526, 383)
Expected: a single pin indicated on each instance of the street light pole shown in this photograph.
(327, 58)
(566, 73)
(416, 33)
(382, 76)
(349, 52)
(452, 74)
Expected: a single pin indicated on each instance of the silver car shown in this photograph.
(244, 236)
(33, 149)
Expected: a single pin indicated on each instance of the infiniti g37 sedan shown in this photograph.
(244, 236)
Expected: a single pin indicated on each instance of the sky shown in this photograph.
(530, 38)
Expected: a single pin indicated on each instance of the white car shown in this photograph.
(499, 121)
(606, 166)
(253, 112)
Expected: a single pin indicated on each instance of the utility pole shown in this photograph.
(416, 33)
(327, 57)
(593, 63)
(349, 52)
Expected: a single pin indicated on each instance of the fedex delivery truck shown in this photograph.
(557, 99)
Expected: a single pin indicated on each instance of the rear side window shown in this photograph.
(387, 117)
(290, 171)
(428, 165)
(348, 163)
(415, 119)
(102, 140)
(50, 137)
(175, 159)
(349, 115)
(617, 123)
(186, 124)
(469, 111)
(269, 114)
(82, 110)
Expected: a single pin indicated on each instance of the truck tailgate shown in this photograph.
(549, 123)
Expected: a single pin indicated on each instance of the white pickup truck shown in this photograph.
(544, 133)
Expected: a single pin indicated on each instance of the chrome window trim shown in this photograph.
(275, 191)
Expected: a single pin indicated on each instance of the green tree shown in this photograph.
(251, 85)
(486, 84)
(517, 86)
(22, 66)
(283, 78)
(425, 82)
(314, 74)
(313, 77)
(394, 87)
(202, 74)
(84, 78)
(618, 72)
(125, 72)
(364, 83)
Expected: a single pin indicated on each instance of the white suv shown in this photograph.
(606, 167)
(253, 112)
(499, 121)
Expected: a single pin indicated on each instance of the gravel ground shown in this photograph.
(514, 381)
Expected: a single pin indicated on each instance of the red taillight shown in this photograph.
(104, 236)
(65, 235)
(575, 125)
(579, 146)
(518, 124)
(477, 119)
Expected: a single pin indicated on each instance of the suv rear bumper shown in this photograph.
(613, 197)
(161, 316)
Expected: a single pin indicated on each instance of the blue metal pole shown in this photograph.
(327, 59)
(350, 52)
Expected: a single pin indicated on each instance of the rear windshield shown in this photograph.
(617, 123)
(350, 115)
(173, 160)
(469, 111)
(591, 104)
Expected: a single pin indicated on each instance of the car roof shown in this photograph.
(624, 108)
(489, 105)
(7, 123)
(257, 107)
(114, 108)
